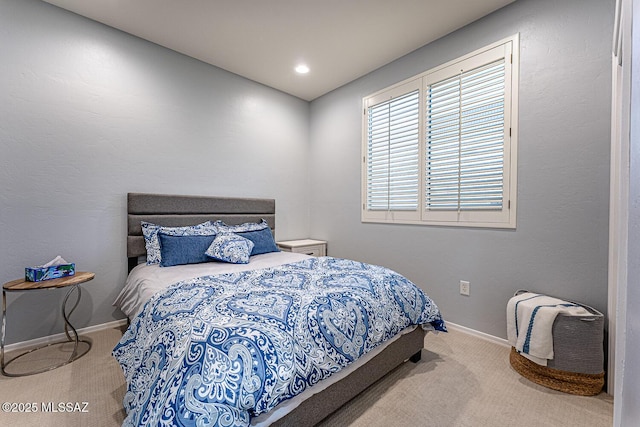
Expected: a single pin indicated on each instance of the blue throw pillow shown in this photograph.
(230, 248)
(152, 243)
(178, 250)
(258, 232)
(262, 241)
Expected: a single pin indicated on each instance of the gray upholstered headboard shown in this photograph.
(174, 210)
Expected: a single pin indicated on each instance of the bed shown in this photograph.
(160, 301)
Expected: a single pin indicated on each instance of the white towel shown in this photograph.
(530, 320)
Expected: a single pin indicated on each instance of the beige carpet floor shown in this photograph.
(461, 381)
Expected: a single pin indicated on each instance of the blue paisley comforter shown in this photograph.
(217, 350)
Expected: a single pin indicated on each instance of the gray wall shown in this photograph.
(560, 244)
(88, 114)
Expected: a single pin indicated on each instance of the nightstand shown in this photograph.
(305, 246)
(21, 285)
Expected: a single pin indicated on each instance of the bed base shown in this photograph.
(321, 405)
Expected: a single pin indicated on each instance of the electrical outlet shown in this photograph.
(464, 287)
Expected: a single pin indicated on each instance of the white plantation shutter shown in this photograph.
(393, 145)
(465, 140)
(441, 147)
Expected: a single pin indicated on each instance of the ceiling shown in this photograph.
(263, 40)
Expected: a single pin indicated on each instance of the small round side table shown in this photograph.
(21, 285)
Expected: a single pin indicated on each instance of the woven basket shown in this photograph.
(568, 382)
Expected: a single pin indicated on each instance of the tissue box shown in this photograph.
(38, 274)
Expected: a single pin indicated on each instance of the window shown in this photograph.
(393, 151)
(440, 148)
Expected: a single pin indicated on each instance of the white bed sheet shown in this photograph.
(145, 280)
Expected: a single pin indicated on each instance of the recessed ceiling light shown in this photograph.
(302, 69)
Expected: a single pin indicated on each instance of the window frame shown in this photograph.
(508, 49)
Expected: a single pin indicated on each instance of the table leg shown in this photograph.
(4, 322)
(68, 324)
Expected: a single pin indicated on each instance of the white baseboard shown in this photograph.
(61, 336)
(118, 323)
(478, 334)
